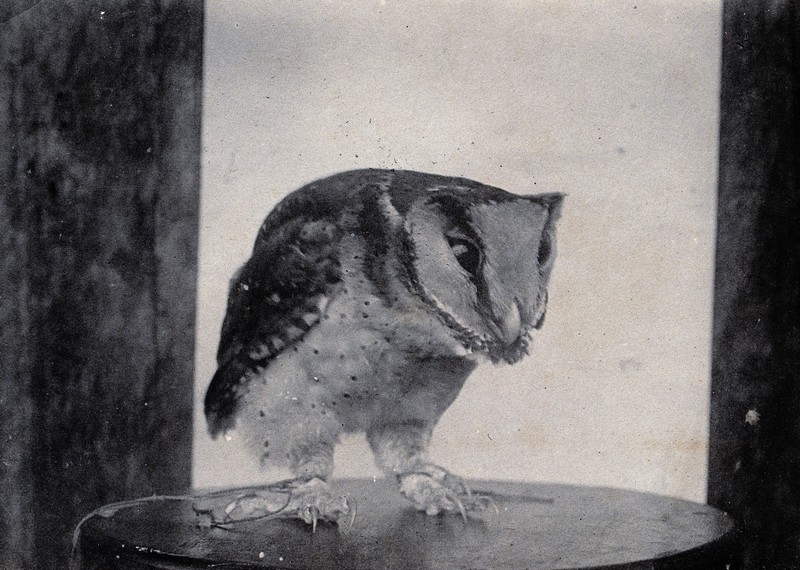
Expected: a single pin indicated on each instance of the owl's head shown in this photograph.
(481, 258)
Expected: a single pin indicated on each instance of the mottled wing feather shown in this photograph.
(274, 300)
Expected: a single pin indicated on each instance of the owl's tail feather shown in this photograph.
(224, 393)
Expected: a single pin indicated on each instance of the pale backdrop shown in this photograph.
(613, 103)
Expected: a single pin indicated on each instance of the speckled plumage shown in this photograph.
(367, 301)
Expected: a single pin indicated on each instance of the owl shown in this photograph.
(369, 298)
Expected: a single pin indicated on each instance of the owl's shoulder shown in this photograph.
(336, 197)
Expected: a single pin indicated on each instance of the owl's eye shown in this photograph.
(545, 249)
(467, 254)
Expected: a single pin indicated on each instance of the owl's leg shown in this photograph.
(400, 450)
(307, 496)
(311, 498)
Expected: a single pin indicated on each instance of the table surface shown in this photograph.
(537, 526)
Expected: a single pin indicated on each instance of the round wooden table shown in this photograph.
(537, 526)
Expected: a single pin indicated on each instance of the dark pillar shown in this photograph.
(100, 163)
(755, 402)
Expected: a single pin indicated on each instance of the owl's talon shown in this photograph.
(353, 514)
(453, 497)
(311, 515)
(485, 501)
(434, 490)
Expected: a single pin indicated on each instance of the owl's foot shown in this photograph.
(435, 490)
(308, 500)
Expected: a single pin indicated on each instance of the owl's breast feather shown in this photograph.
(365, 360)
(360, 370)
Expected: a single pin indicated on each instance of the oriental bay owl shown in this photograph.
(369, 298)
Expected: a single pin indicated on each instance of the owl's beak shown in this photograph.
(510, 325)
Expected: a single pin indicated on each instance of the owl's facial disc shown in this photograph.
(484, 267)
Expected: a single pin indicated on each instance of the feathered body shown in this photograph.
(367, 301)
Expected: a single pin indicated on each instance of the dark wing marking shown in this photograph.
(274, 300)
